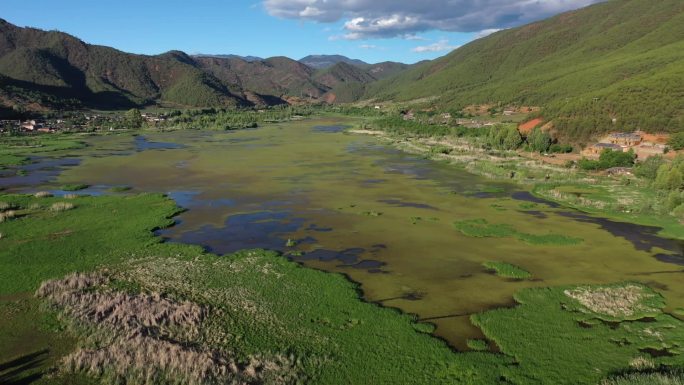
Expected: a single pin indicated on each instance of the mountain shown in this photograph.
(622, 59)
(276, 76)
(385, 69)
(245, 58)
(42, 71)
(326, 61)
(40, 66)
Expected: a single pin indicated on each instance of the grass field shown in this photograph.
(480, 228)
(507, 270)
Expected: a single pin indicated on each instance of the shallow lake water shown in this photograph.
(383, 217)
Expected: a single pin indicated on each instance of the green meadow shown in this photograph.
(389, 251)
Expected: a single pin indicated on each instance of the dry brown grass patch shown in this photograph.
(62, 206)
(149, 338)
(619, 301)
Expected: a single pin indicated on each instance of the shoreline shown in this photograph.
(478, 161)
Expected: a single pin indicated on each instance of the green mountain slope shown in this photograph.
(345, 82)
(277, 76)
(622, 59)
(60, 65)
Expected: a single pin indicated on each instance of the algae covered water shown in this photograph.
(414, 233)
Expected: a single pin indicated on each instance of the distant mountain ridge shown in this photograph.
(245, 58)
(46, 70)
(326, 61)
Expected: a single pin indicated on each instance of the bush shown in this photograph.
(668, 178)
(609, 159)
(539, 141)
(560, 148)
(61, 206)
(649, 168)
(676, 141)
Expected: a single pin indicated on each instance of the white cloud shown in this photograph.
(442, 45)
(368, 46)
(487, 32)
(403, 18)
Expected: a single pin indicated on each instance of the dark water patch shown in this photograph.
(643, 238)
(240, 140)
(329, 129)
(535, 213)
(39, 171)
(314, 227)
(97, 190)
(257, 230)
(399, 203)
(366, 264)
(372, 182)
(409, 296)
(183, 198)
(188, 199)
(143, 144)
(484, 194)
(676, 259)
(347, 256)
(526, 196)
(308, 240)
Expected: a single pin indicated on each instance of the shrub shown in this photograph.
(676, 141)
(649, 168)
(7, 215)
(61, 206)
(560, 148)
(43, 194)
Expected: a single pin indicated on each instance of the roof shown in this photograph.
(622, 135)
(607, 145)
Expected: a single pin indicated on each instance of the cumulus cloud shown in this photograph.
(404, 18)
(442, 45)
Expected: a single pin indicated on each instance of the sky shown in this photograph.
(371, 30)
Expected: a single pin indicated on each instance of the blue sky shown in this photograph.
(372, 30)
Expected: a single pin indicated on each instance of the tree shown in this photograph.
(649, 168)
(668, 178)
(676, 141)
(538, 140)
(610, 158)
(133, 118)
(512, 140)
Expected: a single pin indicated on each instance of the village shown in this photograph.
(76, 122)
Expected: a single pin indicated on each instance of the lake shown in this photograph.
(353, 205)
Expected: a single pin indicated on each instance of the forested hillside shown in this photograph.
(40, 67)
(622, 60)
(41, 71)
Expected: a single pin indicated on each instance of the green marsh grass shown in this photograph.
(478, 345)
(74, 187)
(507, 270)
(481, 228)
(666, 377)
(557, 340)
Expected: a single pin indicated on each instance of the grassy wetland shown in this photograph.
(482, 264)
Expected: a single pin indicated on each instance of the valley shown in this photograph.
(418, 235)
(197, 206)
